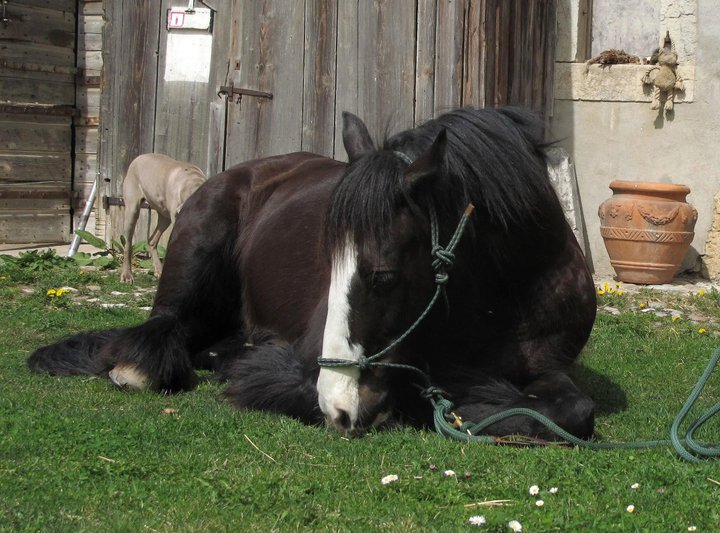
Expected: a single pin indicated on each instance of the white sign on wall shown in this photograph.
(188, 57)
(179, 18)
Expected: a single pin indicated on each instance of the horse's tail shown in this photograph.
(151, 355)
(76, 355)
(270, 376)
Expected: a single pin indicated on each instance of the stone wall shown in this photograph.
(602, 117)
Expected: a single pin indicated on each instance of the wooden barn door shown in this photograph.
(395, 63)
(158, 91)
(37, 101)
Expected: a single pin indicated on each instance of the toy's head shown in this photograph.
(668, 58)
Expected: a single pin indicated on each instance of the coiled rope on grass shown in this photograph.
(687, 447)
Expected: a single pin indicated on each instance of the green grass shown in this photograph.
(78, 455)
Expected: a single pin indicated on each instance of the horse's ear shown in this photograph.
(429, 164)
(356, 137)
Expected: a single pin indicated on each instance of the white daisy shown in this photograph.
(515, 525)
(534, 490)
(477, 520)
(389, 479)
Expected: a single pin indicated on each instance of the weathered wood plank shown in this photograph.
(88, 101)
(35, 136)
(25, 205)
(85, 167)
(90, 42)
(130, 45)
(93, 8)
(318, 117)
(475, 54)
(503, 47)
(39, 25)
(550, 30)
(346, 90)
(37, 54)
(90, 61)
(38, 167)
(90, 24)
(449, 55)
(425, 61)
(56, 5)
(42, 226)
(216, 139)
(269, 57)
(38, 89)
(180, 102)
(86, 139)
(386, 65)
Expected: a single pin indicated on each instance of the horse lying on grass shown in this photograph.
(280, 260)
(165, 184)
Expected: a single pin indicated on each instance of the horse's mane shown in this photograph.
(493, 158)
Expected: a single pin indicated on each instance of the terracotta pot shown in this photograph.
(647, 229)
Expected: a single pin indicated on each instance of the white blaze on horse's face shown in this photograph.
(338, 389)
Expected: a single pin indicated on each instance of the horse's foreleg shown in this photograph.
(197, 301)
(162, 224)
(553, 394)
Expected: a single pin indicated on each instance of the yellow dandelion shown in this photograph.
(619, 293)
(618, 284)
(51, 293)
(642, 305)
(701, 292)
(59, 292)
(702, 331)
(600, 292)
(676, 318)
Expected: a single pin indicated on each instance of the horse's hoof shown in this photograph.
(129, 377)
(126, 278)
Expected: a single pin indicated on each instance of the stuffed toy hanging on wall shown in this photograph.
(663, 75)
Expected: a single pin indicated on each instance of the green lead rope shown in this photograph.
(448, 425)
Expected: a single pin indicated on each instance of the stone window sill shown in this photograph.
(613, 83)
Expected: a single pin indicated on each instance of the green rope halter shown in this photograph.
(443, 262)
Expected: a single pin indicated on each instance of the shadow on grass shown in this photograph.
(608, 396)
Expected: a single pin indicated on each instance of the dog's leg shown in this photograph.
(132, 211)
(162, 224)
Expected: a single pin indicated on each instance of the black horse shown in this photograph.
(280, 260)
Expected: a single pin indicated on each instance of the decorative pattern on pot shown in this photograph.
(647, 229)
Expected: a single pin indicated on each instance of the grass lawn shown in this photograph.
(78, 455)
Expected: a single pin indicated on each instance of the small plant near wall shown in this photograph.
(108, 257)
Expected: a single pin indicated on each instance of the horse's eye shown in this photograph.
(383, 280)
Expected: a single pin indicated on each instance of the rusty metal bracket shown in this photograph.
(107, 201)
(230, 90)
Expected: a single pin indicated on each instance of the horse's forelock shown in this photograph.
(364, 201)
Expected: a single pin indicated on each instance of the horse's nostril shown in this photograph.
(342, 421)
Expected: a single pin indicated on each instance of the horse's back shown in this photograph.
(285, 272)
(252, 235)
